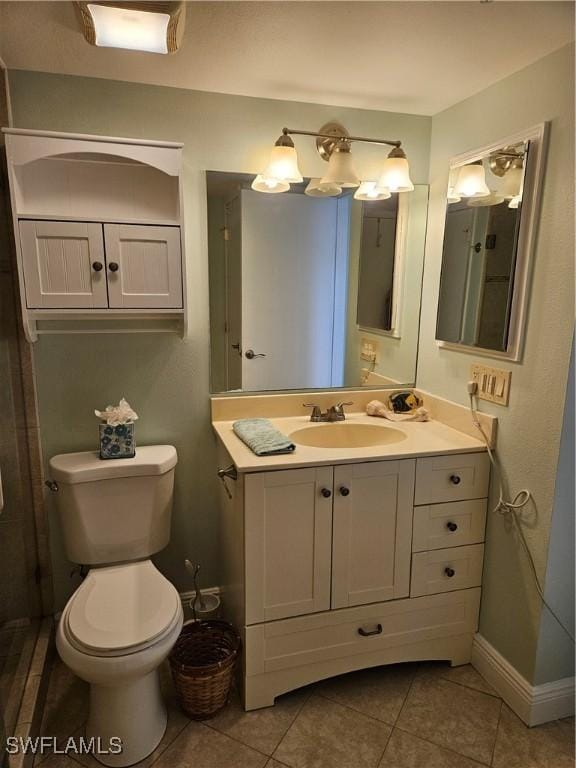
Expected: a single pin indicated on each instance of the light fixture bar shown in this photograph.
(335, 137)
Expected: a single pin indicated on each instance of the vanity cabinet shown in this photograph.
(334, 568)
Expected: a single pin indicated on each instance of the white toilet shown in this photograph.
(121, 623)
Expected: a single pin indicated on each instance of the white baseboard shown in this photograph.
(534, 704)
(186, 597)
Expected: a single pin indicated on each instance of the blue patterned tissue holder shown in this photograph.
(117, 442)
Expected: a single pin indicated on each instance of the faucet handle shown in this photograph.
(316, 411)
(338, 410)
(341, 405)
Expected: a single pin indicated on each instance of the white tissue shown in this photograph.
(117, 414)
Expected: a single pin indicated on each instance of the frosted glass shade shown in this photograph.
(341, 170)
(482, 202)
(125, 28)
(283, 165)
(512, 183)
(265, 184)
(471, 182)
(316, 188)
(396, 175)
(515, 202)
(452, 197)
(368, 190)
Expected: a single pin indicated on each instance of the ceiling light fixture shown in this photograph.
(153, 27)
(334, 145)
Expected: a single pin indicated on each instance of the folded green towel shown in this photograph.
(262, 437)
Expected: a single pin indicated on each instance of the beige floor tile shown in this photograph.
(274, 764)
(203, 747)
(378, 692)
(546, 746)
(261, 729)
(328, 735)
(452, 716)
(405, 750)
(464, 675)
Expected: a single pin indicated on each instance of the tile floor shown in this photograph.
(405, 716)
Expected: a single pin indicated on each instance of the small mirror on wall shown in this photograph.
(488, 241)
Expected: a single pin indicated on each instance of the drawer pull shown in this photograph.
(449, 572)
(369, 633)
(452, 526)
(344, 491)
(455, 479)
(97, 266)
(326, 492)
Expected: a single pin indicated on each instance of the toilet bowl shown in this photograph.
(121, 623)
(115, 631)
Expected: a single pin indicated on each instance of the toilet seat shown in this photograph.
(121, 610)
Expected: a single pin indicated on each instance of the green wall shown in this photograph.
(165, 378)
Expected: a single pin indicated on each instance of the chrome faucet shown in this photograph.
(334, 413)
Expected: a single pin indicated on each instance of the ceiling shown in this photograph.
(403, 56)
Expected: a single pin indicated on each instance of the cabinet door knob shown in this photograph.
(326, 492)
(97, 266)
(449, 572)
(370, 632)
(344, 491)
(113, 267)
(455, 479)
(452, 527)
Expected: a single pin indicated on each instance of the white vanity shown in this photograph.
(342, 558)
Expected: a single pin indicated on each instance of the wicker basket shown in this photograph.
(202, 663)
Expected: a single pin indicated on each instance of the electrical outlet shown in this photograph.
(369, 349)
(493, 383)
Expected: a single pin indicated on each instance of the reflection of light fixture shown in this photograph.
(396, 174)
(368, 190)
(452, 196)
(334, 145)
(515, 202)
(283, 163)
(139, 26)
(480, 202)
(316, 188)
(340, 166)
(471, 181)
(512, 182)
(266, 184)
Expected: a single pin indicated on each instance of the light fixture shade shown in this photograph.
(283, 165)
(270, 185)
(341, 167)
(452, 197)
(368, 190)
(471, 181)
(512, 182)
(316, 188)
(481, 202)
(515, 202)
(396, 175)
(139, 26)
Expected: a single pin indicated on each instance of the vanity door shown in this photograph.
(372, 532)
(288, 539)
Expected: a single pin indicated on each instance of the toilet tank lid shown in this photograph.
(87, 466)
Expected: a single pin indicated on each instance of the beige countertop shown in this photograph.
(430, 438)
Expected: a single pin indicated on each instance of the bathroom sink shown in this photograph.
(346, 435)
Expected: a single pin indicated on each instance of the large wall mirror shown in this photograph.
(488, 242)
(312, 292)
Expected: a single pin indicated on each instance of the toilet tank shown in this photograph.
(114, 510)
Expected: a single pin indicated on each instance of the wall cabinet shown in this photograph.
(330, 569)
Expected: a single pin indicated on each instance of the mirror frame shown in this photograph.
(533, 175)
(398, 278)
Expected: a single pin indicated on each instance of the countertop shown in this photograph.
(429, 438)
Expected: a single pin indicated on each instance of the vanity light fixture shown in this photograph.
(515, 202)
(153, 27)
(481, 202)
(369, 190)
(266, 184)
(334, 145)
(512, 182)
(471, 181)
(452, 196)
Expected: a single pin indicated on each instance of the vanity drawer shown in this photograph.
(452, 478)
(445, 570)
(322, 637)
(455, 524)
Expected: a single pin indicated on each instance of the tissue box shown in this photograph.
(117, 442)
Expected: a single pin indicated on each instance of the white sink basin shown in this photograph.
(346, 435)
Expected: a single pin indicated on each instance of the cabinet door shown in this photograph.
(372, 532)
(144, 266)
(288, 537)
(64, 266)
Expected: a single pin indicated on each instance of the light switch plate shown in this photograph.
(493, 383)
(369, 349)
